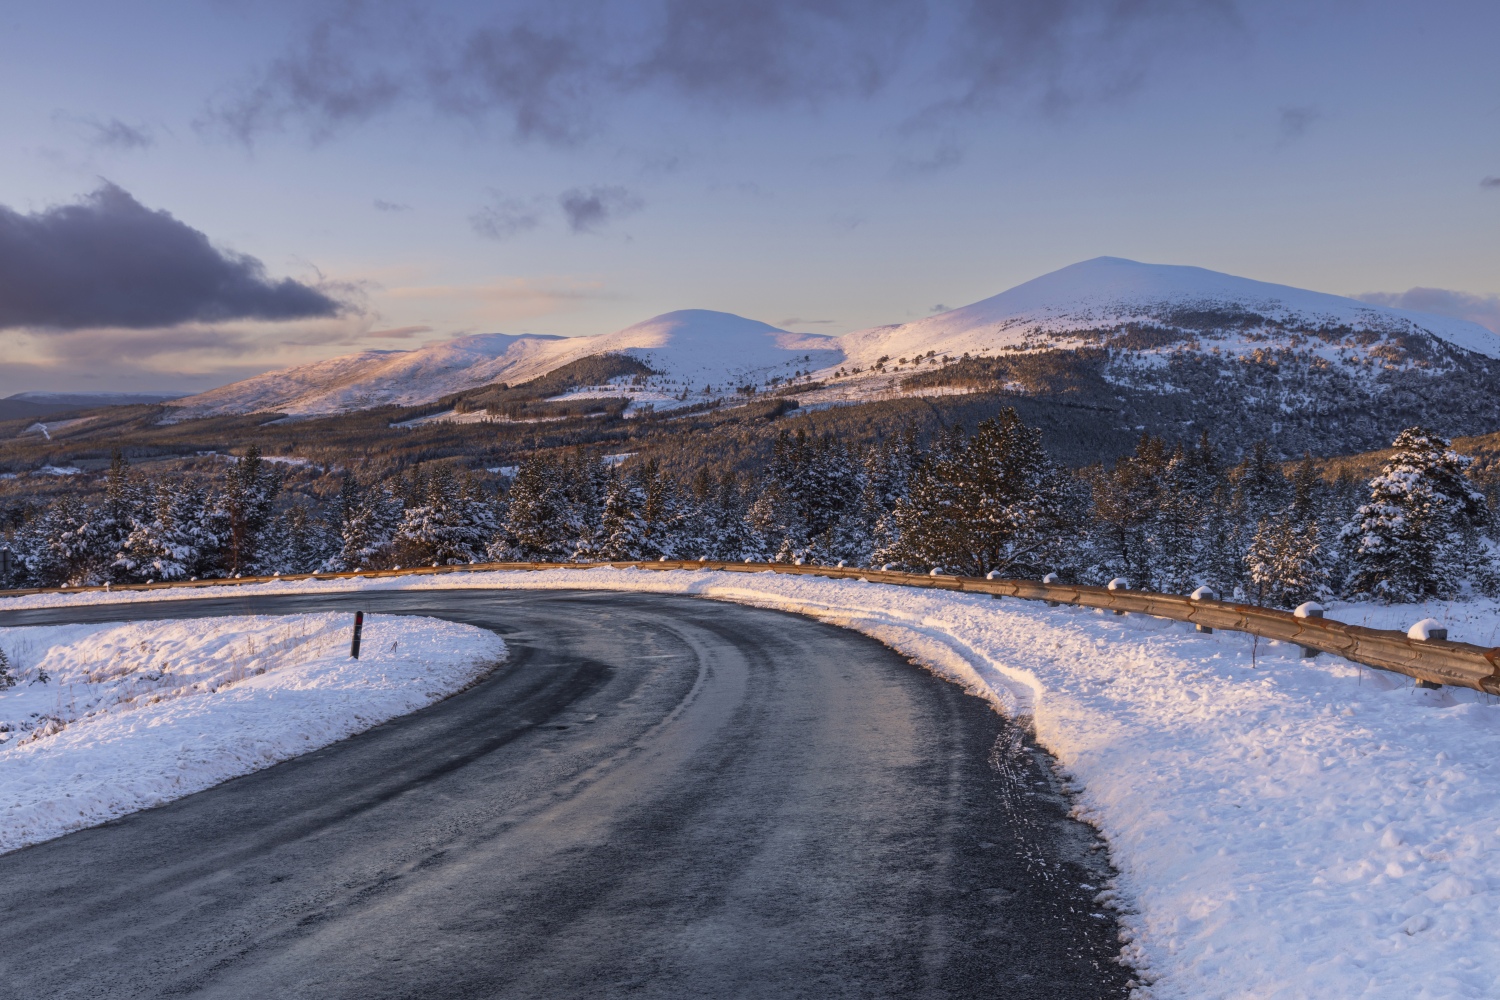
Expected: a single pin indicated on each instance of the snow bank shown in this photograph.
(1283, 827)
(104, 720)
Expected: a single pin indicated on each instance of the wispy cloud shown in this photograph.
(505, 217)
(397, 333)
(588, 210)
(1481, 309)
(1294, 122)
(118, 135)
(553, 69)
(108, 261)
(1492, 183)
(381, 205)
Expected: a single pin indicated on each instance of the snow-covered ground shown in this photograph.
(103, 720)
(1282, 827)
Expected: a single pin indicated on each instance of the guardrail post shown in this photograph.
(1049, 580)
(1118, 583)
(359, 627)
(1309, 609)
(994, 574)
(1427, 630)
(1204, 594)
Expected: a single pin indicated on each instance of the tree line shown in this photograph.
(1165, 518)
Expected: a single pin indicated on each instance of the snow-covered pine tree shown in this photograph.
(661, 514)
(66, 545)
(585, 480)
(537, 526)
(165, 542)
(298, 540)
(1405, 542)
(886, 484)
(622, 535)
(1126, 503)
(245, 507)
(126, 502)
(1286, 563)
(445, 522)
(368, 518)
(1176, 532)
(990, 501)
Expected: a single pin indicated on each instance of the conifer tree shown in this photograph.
(990, 501)
(368, 518)
(1405, 543)
(537, 524)
(623, 527)
(166, 543)
(245, 507)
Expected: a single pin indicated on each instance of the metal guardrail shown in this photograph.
(1436, 661)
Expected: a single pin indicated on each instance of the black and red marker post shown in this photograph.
(359, 626)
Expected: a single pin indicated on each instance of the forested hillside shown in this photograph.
(1167, 518)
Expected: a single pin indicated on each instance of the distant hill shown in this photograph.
(691, 349)
(48, 404)
(1174, 349)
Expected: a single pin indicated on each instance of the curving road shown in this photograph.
(653, 797)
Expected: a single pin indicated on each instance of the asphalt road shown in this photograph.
(652, 797)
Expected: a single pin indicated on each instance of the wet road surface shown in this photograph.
(651, 797)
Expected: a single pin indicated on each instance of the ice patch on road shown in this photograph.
(104, 720)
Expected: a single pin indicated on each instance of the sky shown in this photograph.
(193, 192)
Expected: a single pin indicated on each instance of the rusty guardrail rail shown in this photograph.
(1436, 661)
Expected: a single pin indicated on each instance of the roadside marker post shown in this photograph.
(359, 626)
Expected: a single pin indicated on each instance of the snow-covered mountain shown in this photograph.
(1150, 308)
(1197, 345)
(692, 348)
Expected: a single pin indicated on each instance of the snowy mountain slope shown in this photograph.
(689, 349)
(1200, 347)
(1103, 300)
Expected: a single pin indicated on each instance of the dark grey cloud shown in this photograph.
(381, 205)
(1492, 183)
(1055, 54)
(554, 71)
(108, 261)
(588, 210)
(115, 134)
(1481, 309)
(504, 218)
(1294, 122)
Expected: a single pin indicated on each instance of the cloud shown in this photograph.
(1481, 309)
(1294, 122)
(381, 205)
(588, 210)
(398, 333)
(1493, 183)
(108, 261)
(1054, 54)
(502, 301)
(505, 218)
(787, 324)
(554, 70)
(117, 135)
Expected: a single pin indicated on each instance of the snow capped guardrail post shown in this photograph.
(1427, 630)
(994, 574)
(1050, 580)
(1118, 583)
(1309, 609)
(1203, 594)
(359, 627)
